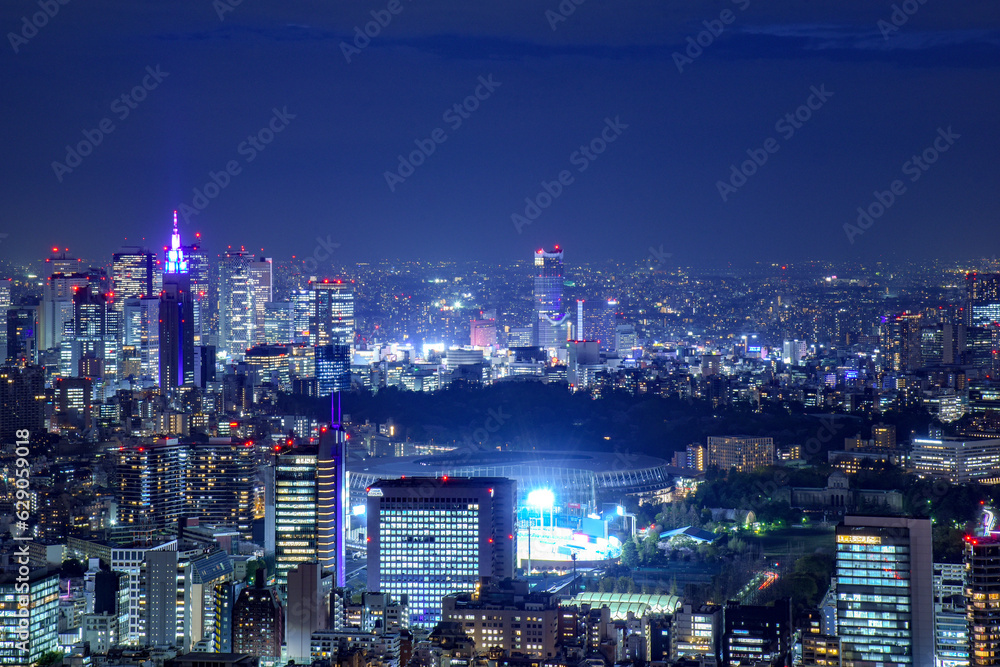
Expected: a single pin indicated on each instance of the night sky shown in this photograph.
(655, 184)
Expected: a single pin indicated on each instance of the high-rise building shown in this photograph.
(333, 368)
(142, 331)
(982, 594)
(5, 302)
(885, 605)
(548, 294)
(279, 322)
(165, 605)
(237, 309)
(743, 452)
(56, 308)
(134, 273)
(36, 592)
(595, 320)
(982, 299)
(22, 342)
(295, 510)
(219, 484)
(429, 537)
(95, 334)
(176, 317)
(696, 631)
(262, 281)
(302, 314)
(951, 632)
(332, 502)
(226, 594)
(258, 621)
(22, 401)
(333, 313)
(306, 611)
(151, 484)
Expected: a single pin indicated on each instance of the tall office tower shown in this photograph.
(134, 273)
(237, 310)
(22, 401)
(176, 310)
(548, 295)
(5, 303)
(982, 299)
(982, 594)
(333, 313)
(62, 262)
(262, 280)
(754, 635)
(332, 501)
(198, 270)
(279, 322)
(333, 368)
(141, 326)
(25, 644)
(22, 344)
(901, 341)
(885, 603)
(302, 314)
(951, 628)
(981, 348)
(295, 511)
(219, 487)
(258, 621)
(483, 333)
(307, 610)
(56, 308)
(743, 452)
(429, 537)
(595, 320)
(150, 490)
(94, 334)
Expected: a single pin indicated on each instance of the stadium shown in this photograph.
(576, 478)
(558, 493)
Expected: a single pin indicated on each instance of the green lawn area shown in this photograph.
(798, 540)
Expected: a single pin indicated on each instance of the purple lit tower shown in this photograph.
(331, 487)
(176, 317)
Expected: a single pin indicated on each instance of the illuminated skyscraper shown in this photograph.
(142, 330)
(134, 273)
(982, 299)
(295, 510)
(176, 317)
(237, 310)
(262, 279)
(22, 324)
(885, 597)
(429, 537)
(548, 296)
(333, 313)
(150, 491)
(38, 590)
(219, 484)
(332, 502)
(982, 594)
(595, 320)
(333, 368)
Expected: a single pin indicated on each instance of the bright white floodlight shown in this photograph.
(542, 499)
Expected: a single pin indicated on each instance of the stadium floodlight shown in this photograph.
(542, 499)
